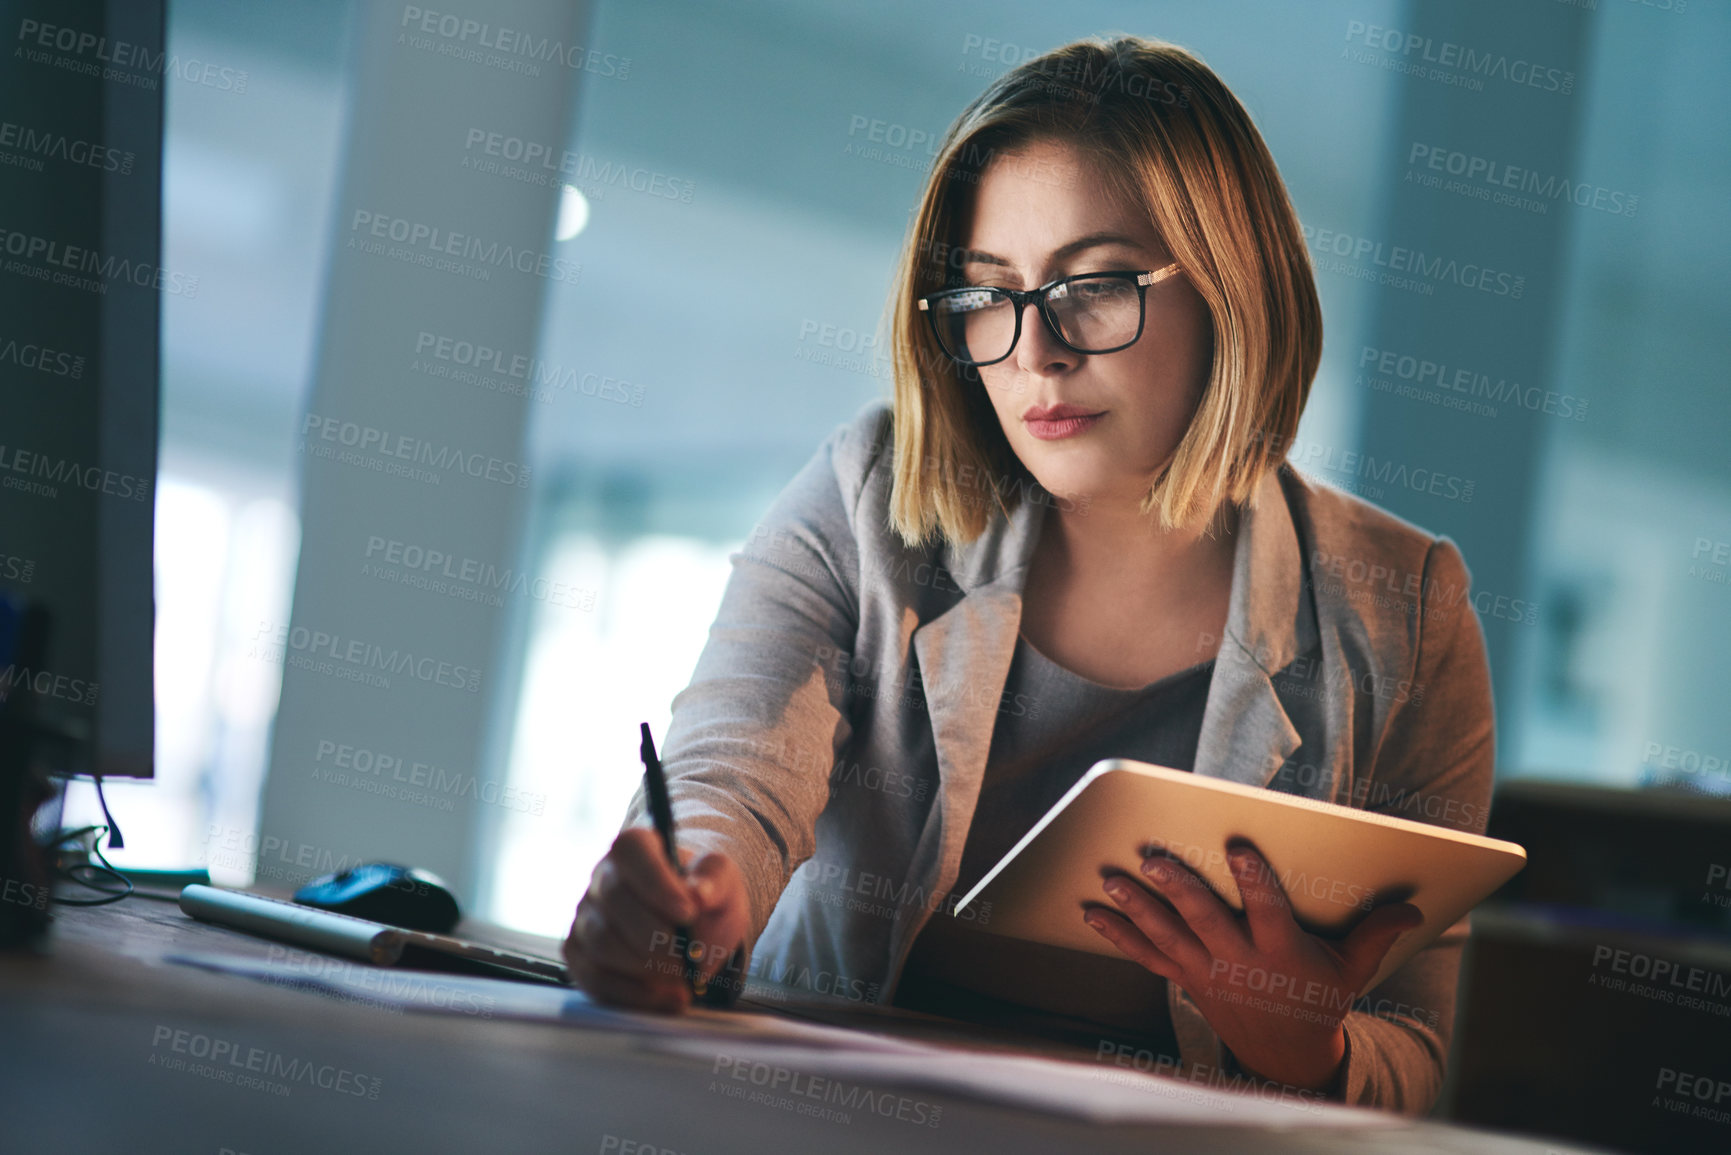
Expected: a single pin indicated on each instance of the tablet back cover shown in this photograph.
(1335, 863)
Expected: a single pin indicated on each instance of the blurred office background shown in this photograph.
(742, 178)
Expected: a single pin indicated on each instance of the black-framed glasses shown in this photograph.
(1089, 313)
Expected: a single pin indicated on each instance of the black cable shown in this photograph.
(118, 842)
(70, 873)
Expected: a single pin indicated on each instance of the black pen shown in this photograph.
(661, 810)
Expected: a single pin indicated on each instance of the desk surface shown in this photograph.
(81, 1071)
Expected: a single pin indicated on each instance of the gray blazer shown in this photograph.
(834, 733)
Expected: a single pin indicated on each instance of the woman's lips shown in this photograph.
(1058, 428)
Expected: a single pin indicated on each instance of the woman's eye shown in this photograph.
(1095, 292)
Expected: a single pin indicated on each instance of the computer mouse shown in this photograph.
(404, 896)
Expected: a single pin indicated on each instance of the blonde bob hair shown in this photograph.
(1172, 138)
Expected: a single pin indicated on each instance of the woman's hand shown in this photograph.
(1274, 994)
(622, 948)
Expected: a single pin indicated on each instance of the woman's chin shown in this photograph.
(1074, 486)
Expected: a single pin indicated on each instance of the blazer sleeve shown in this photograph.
(1435, 764)
(755, 734)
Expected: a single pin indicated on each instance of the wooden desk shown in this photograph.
(85, 1031)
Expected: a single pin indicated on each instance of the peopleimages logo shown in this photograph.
(40, 474)
(1488, 179)
(37, 144)
(1311, 456)
(42, 359)
(231, 846)
(46, 684)
(522, 51)
(435, 247)
(1457, 64)
(81, 267)
(120, 61)
(356, 659)
(230, 1062)
(358, 763)
(1076, 78)
(538, 378)
(816, 1096)
(17, 569)
(1405, 268)
(1423, 373)
(369, 439)
(447, 573)
(543, 164)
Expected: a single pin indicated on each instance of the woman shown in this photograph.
(1072, 536)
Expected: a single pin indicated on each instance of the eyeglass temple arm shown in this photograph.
(1158, 275)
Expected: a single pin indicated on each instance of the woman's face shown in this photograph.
(1044, 212)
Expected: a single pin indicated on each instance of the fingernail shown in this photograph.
(1094, 921)
(1156, 870)
(1117, 889)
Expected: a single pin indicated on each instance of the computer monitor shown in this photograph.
(81, 283)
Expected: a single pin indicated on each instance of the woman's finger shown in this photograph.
(601, 936)
(640, 928)
(1158, 924)
(1366, 945)
(639, 866)
(602, 948)
(586, 926)
(1123, 934)
(722, 919)
(653, 961)
(1266, 908)
(628, 991)
(1209, 919)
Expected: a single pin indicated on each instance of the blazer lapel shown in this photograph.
(964, 657)
(1246, 733)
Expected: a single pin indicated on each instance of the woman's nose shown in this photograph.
(1039, 350)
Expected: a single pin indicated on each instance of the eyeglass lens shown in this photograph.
(1094, 314)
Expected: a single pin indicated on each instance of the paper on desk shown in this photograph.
(739, 1042)
(475, 996)
(1097, 1094)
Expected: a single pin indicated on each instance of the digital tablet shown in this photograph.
(1335, 863)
